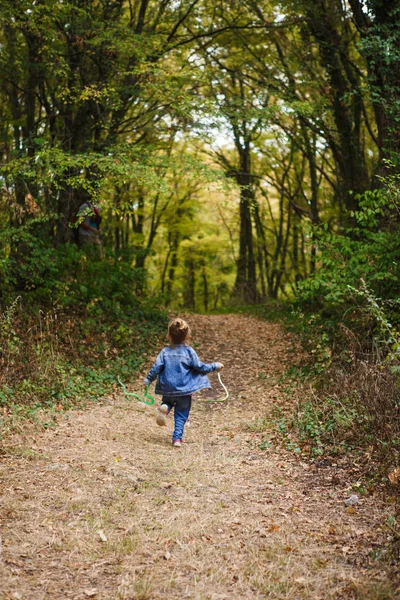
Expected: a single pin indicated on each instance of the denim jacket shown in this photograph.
(179, 371)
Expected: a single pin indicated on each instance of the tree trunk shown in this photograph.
(245, 287)
(189, 294)
(383, 72)
(205, 289)
(173, 266)
(346, 93)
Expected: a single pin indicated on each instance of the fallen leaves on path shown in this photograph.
(104, 507)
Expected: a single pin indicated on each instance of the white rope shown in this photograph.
(225, 390)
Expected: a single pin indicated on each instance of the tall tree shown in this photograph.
(80, 78)
(378, 25)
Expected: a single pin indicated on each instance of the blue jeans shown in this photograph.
(181, 406)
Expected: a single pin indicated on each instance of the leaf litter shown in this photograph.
(105, 508)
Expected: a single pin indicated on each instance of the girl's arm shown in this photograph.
(201, 367)
(155, 369)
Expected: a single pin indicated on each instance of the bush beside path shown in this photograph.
(103, 507)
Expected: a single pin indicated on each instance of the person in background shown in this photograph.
(89, 220)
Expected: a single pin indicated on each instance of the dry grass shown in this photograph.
(104, 507)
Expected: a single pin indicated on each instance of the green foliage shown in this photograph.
(380, 45)
(330, 425)
(67, 276)
(9, 339)
(77, 324)
(353, 335)
(366, 255)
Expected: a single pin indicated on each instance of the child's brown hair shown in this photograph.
(178, 331)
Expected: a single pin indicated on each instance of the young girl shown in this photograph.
(180, 374)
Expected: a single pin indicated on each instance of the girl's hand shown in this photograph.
(220, 366)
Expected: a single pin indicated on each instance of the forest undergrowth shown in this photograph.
(65, 340)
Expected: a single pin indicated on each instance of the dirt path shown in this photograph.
(103, 507)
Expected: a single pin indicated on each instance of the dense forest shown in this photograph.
(241, 153)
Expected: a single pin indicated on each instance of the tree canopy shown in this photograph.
(224, 141)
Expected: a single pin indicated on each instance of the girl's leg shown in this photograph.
(183, 405)
(168, 401)
(163, 410)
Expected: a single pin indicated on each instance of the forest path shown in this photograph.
(103, 507)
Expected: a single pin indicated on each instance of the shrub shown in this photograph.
(69, 323)
(353, 335)
(368, 254)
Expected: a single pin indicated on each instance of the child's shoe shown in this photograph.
(177, 443)
(161, 418)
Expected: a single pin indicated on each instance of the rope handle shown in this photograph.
(152, 399)
(146, 394)
(225, 390)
